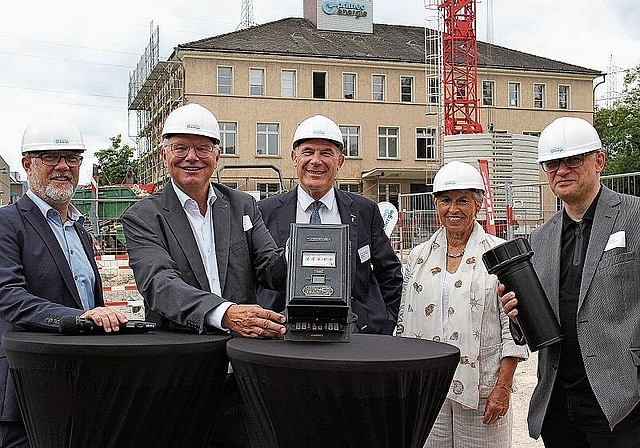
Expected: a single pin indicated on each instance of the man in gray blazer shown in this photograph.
(586, 257)
(376, 272)
(199, 249)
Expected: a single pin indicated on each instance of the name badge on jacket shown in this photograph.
(365, 253)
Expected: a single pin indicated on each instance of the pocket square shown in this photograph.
(617, 239)
(246, 223)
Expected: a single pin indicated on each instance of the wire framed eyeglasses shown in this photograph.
(181, 150)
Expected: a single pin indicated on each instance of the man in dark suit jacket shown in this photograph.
(586, 257)
(199, 249)
(47, 266)
(376, 270)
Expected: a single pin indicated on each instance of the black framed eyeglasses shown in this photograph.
(52, 159)
(181, 150)
(570, 162)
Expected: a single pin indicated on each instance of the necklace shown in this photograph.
(458, 255)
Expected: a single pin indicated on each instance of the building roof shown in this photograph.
(393, 43)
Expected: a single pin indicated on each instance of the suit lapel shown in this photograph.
(221, 215)
(181, 229)
(606, 213)
(285, 215)
(547, 266)
(349, 215)
(35, 217)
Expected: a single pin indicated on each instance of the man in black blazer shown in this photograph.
(586, 256)
(376, 270)
(47, 266)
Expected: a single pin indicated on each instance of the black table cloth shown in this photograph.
(375, 391)
(159, 389)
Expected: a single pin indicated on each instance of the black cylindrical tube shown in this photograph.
(511, 262)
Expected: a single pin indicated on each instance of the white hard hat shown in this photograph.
(320, 127)
(567, 136)
(457, 176)
(52, 134)
(192, 119)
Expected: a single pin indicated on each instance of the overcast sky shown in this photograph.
(74, 58)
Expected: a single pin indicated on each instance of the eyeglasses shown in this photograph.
(181, 150)
(325, 153)
(51, 159)
(569, 162)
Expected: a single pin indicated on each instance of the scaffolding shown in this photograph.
(433, 75)
(155, 89)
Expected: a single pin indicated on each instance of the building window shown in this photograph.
(267, 190)
(225, 80)
(563, 97)
(351, 139)
(352, 188)
(488, 89)
(256, 81)
(378, 87)
(228, 138)
(538, 96)
(426, 143)
(349, 86)
(514, 94)
(388, 142)
(319, 84)
(434, 91)
(267, 136)
(288, 84)
(232, 185)
(389, 193)
(406, 89)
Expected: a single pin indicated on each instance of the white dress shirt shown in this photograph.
(329, 213)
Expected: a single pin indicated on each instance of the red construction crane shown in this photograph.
(460, 67)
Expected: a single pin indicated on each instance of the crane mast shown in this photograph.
(460, 67)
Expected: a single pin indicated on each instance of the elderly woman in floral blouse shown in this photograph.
(448, 296)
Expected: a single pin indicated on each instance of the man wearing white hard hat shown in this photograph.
(586, 257)
(376, 270)
(198, 250)
(47, 266)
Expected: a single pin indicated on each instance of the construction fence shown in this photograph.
(530, 206)
(525, 207)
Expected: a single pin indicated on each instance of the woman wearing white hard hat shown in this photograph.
(448, 296)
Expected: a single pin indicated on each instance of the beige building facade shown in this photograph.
(262, 81)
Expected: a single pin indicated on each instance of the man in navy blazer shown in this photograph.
(376, 270)
(586, 256)
(47, 266)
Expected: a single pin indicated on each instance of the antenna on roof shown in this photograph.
(247, 15)
(612, 84)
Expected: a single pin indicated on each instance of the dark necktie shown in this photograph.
(315, 214)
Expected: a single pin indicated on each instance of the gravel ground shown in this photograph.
(525, 378)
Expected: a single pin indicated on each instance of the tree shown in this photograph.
(619, 128)
(117, 163)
